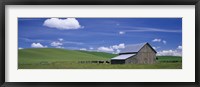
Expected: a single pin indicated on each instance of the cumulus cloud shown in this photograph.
(164, 42)
(159, 40)
(112, 49)
(179, 47)
(62, 24)
(117, 51)
(176, 52)
(169, 53)
(83, 49)
(121, 32)
(156, 40)
(105, 49)
(38, 45)
(54, 44)
(120, 46)
(57, 44)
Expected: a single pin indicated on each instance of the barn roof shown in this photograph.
(122, 57)
(134, 48)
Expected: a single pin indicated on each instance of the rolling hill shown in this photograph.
(34, 55)
(52, 58)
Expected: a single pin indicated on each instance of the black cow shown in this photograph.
(101, 61)
(107, 61)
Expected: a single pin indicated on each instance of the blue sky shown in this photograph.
(101, 34)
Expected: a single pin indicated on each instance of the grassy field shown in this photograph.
(51, 58)
(169, 59)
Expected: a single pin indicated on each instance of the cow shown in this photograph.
(107, 62)
(101, 61)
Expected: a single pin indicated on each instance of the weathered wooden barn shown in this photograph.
(141, 53)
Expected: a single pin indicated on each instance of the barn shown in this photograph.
(141, 53)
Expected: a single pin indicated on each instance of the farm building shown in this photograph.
(141, 53)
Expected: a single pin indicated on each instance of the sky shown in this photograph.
(101, 34)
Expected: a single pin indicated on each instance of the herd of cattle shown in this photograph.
(97, 62)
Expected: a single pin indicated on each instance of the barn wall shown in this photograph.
(131, 60)
(146, 55)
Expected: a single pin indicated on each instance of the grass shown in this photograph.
(35, 55)
(72, 65)
(100, 54)
(169, 59)
(51, 58)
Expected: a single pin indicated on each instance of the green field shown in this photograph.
(169, 59)
(51, 58)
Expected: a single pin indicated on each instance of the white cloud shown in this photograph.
(179, 47)
(156, 48)
(20, 48)
(120, 46)
(55, 44)
(164, 42)
(121, 32)
(83, 49)
(112, 49)
(117, 51)
(176, 52)
(60, 39)
(156, 40)
(159, 40)
(38, 45)
(169, 53)
(62, 24)
(105, 49)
